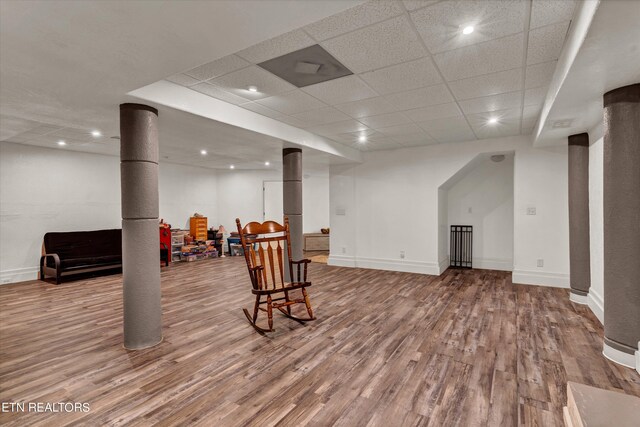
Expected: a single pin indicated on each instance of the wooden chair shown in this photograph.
(265, 261)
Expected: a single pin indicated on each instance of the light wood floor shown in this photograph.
(467, 348)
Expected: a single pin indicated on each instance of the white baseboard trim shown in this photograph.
(341, 261)
(579, 299)
(399, 265)
(18, 275)
(493, 264)
(443, 264)
(596, 304)
(555, 280)
(619, 357)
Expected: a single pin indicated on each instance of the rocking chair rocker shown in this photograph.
(265, 265)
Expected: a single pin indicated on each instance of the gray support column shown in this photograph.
(622, 224)
(579, 246)
(292, 199)
(140, 237)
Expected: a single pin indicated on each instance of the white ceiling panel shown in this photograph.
(292, 102)
(422, 97)
(545, 12)
(480, 121)
(441, 25)
(277, 46)
(293, 121)
(238, 82)
(417, 4)
(539, 74)
(407, 129)
(340, 91)
(321, 116)
(216, 92)
(183, 80)
(402, 77)
(367, 107)
(338, 128)
(484, 58)
(380, 45)
(489, 84)
(357, 17)
(416, 138)
(385, 120)
(434, 112)
(535, 96)
(492, 103)
(261, 109)
(545, 43)
(218, 67)
(451, 129)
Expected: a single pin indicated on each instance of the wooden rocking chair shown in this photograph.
(263, 251)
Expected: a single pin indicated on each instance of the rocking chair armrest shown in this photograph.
(304, 262)
(256, 277)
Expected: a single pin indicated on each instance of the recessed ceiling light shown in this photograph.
(468, 29)
(61, 142)
(96, 133)
(203, 152)
(267, 163)
(253, 88)
(362, 138)
(492, 120)
(232, 167)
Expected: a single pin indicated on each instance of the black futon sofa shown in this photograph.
(67, 253)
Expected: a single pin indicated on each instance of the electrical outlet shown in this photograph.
(470, 210)
(344, 250)
(401, 254)
(540, 263)
(531, 210)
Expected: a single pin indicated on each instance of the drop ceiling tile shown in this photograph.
(340, 91)
(357, 17)
(183, 80)
(261, 109)
(385, 120)
(402, 77)
(545, 12)
(406, 129)
(322, 116)
(417, 4)
(528, 130)
(450, 129)
(380, 45)
(434, 112)
(416, 138)
(508, 123)
(237, 83)
(45, 129)
(423, 97)
(498, 131)
(420, 143)
(535, 96)
(546, 43)
(338, 128)
(367, 107)
(292, 102)
(216, 92)
(539, 74)
(492, 103)
(292, 121)
(489, 84)
(441, 25)
(484, 58)
(277, 46)
(531, 112)
(218, 68)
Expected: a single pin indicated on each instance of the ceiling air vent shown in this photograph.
(306, 66)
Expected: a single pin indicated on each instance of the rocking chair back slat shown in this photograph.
(259, 247)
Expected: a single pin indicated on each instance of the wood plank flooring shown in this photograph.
(467, 348)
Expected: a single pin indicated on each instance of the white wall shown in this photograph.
(44, 189)
(483, 198)
(596, 228)
(390, 203)
(240, 196)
